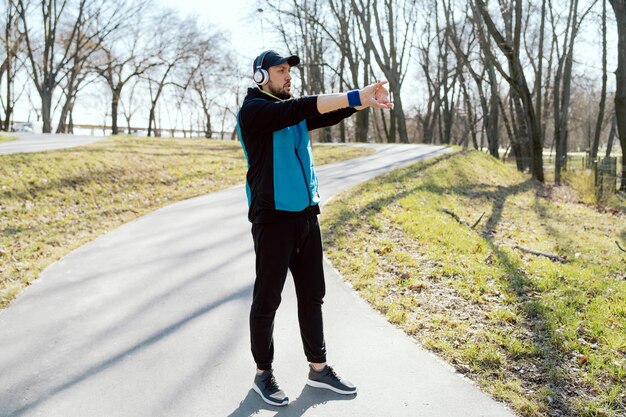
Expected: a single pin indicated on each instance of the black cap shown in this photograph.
(272, 58)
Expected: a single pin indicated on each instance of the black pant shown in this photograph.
(296, 246)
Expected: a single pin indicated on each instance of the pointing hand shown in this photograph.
(376, 95)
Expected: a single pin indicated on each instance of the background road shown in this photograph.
(152, 320)
(38, 142)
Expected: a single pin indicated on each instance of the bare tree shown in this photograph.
(489, 106)
(347, 37)
(46, 61)
(206, 80)
(609, 144)
(510, 47)
(129, 103)
(428, 117)
(11, 40)
(94, 25)
(562, 84)
(201, 85)
(389, 28)
(539, 71)
(447, 76)
(126, 55)
(176, 42)
(301, 28)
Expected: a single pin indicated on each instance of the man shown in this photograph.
(281, 187)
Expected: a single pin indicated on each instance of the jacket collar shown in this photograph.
(255, 92)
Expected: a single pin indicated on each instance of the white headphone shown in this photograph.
(261, 76)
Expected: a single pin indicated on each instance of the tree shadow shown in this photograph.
(158, 335)
(550, 359)
(309, 398)
(347, 215)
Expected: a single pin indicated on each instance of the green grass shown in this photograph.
(6, 138)
(53, 202)
(535, 333)
(583, 182)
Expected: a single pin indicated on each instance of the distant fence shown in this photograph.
(142, 131)
(572, 162)
(605, 174)
(102, 130)
(607, 171)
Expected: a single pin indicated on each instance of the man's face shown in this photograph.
(280, 81)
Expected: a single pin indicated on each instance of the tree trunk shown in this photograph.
(562, 116)
(6, 125)
(539, 75)
(8, 68)
(362, 125)
(208, 132)
(509, 132)
(7, 65)
(609, 143)
(46, 109)
(65, 110)
(492, 124)
(70, 125)
(115, 102)
(114, 106)
(471, 127)
(523, 148)
(400, 119)
(596, 137)
(151, 121)
(619, 7)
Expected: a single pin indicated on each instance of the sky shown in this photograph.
(242, 19)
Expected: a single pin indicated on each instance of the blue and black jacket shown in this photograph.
(281, 183)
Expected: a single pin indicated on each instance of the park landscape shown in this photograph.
(505, 256)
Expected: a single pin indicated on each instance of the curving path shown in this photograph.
(152, 320)
(39, 142)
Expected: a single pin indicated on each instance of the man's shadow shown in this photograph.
(308, 398)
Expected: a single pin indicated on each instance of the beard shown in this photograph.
(280, 93)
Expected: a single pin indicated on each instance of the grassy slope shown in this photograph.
(540, 335)
(53, 202)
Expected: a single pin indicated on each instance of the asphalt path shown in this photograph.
(151, 319)
(38, 142)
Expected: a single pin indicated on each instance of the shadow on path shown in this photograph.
(308, 398)
(121, 355)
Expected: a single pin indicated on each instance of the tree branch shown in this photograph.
(544, 254)
(458, 219)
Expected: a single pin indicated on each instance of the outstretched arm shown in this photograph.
(329, 119)
(260, 116)
(370, 96)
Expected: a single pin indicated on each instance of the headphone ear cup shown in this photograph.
(261, 76)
